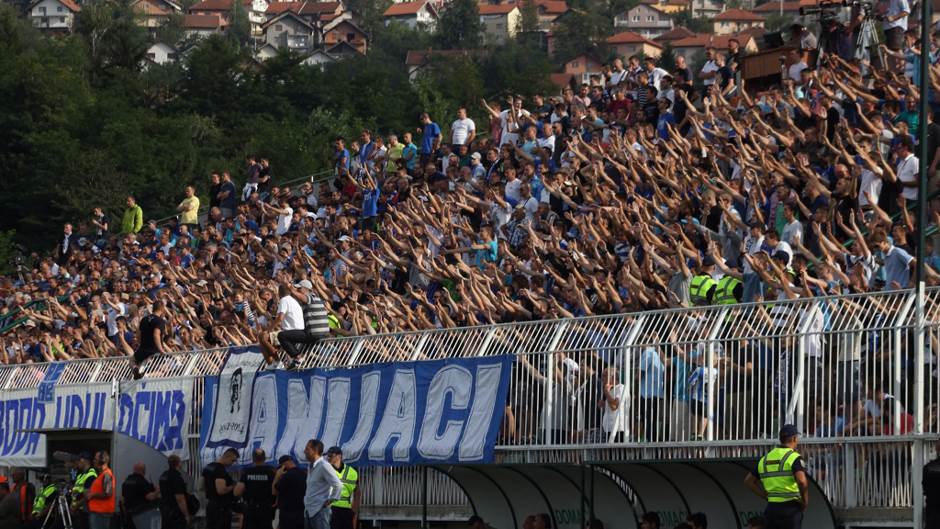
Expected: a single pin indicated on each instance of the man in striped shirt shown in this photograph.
(316, 324)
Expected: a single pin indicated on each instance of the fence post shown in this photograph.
(898, 343)
(549, 407)
(626, 371)
(920, 337)
(710, 361)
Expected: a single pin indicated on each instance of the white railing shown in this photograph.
(707, 382)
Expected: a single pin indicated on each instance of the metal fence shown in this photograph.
(707, 382)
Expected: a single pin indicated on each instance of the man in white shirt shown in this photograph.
(709, 72)
(797, 65)
(284, 215)
(655, 73)
(895, 24)
(793, 230)
(908, 168)
(290, 315)
(547, 141)
(511, 120)
(462, 130)
(617, 74)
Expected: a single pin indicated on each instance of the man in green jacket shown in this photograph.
(133, 219)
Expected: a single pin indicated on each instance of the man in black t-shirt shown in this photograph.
(290, 486)
(139, 498)
(256, 489)
(219, 488)
(151, 337)
(174, 509)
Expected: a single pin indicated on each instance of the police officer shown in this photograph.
(780, 478)
(931, 483)
(702, 287)
(290, 485)
(219, 488)
(175, 510)
(346, 508)
(728, 291)
(83, 480)
(256, 489)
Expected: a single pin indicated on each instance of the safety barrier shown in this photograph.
(713, 382)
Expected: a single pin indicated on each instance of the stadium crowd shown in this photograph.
(645, 189)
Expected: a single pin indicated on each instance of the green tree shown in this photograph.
(776, 21)
(116, 43)
(693, 24)
(580, 32)
(370, 13)
(239, 29)
(667, 58)
(529, 19)
(459, 26)
(518, 69)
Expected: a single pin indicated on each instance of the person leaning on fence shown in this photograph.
(780, 478)
(315, 321)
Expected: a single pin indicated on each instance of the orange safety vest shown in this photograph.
(99, 505)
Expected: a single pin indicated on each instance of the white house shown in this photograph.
(161, 53)
(645, 19)
(53, 15)
(412, 14)
(288, 30)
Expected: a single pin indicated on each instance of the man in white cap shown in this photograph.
(299, 325)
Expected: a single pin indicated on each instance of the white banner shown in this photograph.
(157, 413)
(72, 408)
(232, 403)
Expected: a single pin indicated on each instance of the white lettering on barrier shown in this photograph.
(454, 381)
(304, 415)
(481, 414)
(336, 406)
(264, 415)
(368, 402)
(398, 420)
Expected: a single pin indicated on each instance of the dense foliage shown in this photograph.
(83, 122)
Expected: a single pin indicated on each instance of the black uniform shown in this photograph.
(931, 483)
(171, 484)
(134, 491)
(148, 346)
(258, 497)
(218, 508)
(290, 498)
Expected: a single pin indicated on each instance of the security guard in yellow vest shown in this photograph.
(702, 287)
(86, 476)
(728, 291)
(780, 478)
(346, 508)
(44, 499)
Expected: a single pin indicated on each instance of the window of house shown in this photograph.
(62, 20)
(42, 10)
(278, 27)
(152, 56)
(58, 9)
(350, 37)
(636, 18)
(650, 18)
(574, 64)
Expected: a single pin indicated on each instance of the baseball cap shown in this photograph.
(304, 283)
(334, 450)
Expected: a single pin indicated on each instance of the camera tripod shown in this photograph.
(867, 37)
(64, 515)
